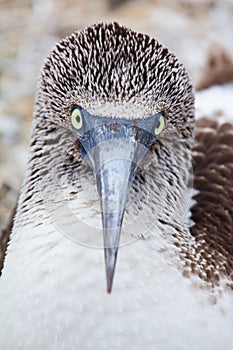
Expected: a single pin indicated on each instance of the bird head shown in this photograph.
(120, 94)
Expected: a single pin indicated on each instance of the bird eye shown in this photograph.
(161, 123)
(76, 118)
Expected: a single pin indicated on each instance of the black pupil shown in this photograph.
(158, 126)
(78, 118)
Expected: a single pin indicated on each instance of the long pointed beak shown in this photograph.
(116, 163)
(115, 150)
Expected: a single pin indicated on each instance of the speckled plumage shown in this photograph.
(165, 292)
(213, 179)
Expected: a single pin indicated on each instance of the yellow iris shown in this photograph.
(76, 119)
(160, 126)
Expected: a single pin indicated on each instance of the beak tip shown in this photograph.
(110, 263)
(110, 276)
(109, 289)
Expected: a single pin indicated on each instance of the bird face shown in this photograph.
(115, 149)
(85, 77)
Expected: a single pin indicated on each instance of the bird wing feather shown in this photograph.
(212, 212)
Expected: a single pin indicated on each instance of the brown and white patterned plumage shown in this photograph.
(172, 282)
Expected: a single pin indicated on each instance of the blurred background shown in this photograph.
(30, 28)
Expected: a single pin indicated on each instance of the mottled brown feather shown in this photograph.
(213, 211)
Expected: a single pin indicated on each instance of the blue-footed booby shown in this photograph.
(111, 155)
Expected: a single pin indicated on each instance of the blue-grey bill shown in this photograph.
(115, 169)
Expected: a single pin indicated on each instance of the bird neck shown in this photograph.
(45, 153)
